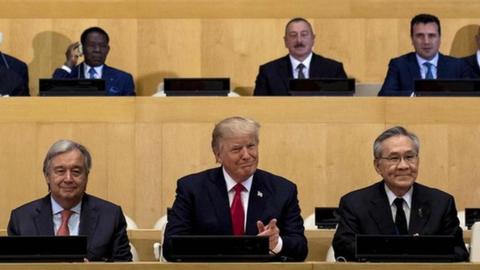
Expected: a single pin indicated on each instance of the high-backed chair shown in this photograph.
(309, 222)
(161, 224)
(475, 243)
(131, 225)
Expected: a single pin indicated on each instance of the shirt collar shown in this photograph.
(305, 62)
(407, 197)
(247, 184)
(98, 69)
(56, 208)
(421, 60)
(478, 56)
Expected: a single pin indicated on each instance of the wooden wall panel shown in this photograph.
(157, 39)
(141, 146)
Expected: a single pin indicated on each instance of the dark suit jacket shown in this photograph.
(367, 211)
(117, 82)
(13, 76)
(101, 221)
(201, 207)
(273, 77)
(472, 63)
(404, 70)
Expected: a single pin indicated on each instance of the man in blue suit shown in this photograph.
(95, 47)
(425, 63)
(68, 210)
(274, 77)
(396, 205)
(13, 76)
(473, 60)
(237, 198)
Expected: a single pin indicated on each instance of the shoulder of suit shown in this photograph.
(365, 192)
(116, 70)
(98, 202)
(430, 190)
(273, 178)
(32, 204)
(201, 176)
(325, 59)
(276, 62)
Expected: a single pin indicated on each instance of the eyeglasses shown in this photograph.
(395, 160)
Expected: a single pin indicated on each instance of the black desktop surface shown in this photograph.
(196, 86)
(326, 217)
(405, 248)
(219, 248)
(472, 215)
(447, 87)
(43, 248)
(71, 87)
(322, 87)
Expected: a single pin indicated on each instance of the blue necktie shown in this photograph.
(92, 73)
(429, 74)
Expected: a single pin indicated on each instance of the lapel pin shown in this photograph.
(259, 194)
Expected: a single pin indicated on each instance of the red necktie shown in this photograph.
(63, 229)
(236, 211)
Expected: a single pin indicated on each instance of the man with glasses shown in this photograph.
(94, 46)
(397, 205)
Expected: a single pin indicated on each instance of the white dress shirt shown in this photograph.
(73, 222)
(306, 63)
(407, 203)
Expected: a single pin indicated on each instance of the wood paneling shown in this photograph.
(141, 146)
(231, 38)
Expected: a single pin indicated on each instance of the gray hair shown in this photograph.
(392, 132)
(233, 126)
(64, 146)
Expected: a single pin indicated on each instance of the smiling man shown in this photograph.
(301, 63)
(425, 63)
(94, 46)
(237, 198)
(397, 205)
(68, 210)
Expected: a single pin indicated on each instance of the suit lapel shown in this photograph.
(316, 67)
(44, 217)
(284, 71)
(256, 204)
(88, 217)
(217, 191)
(413, 67)
(420, 211)
(381, 211)
(475, 65)
(442, 68)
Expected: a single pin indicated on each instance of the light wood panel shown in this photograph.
(231, 38)
(141, 146)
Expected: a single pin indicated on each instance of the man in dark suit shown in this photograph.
(473, 60)
(425, 63)
(237, 198)
(95, 48)
(68, 210)
(273, 77)
(396, 205)
(13, 76)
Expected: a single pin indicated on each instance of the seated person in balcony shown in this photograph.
(237, 198)
(396, 205)
(68, 210)
(425, 63)
(473, 61)
(13, 76)
(95, 47)
(301, 63)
